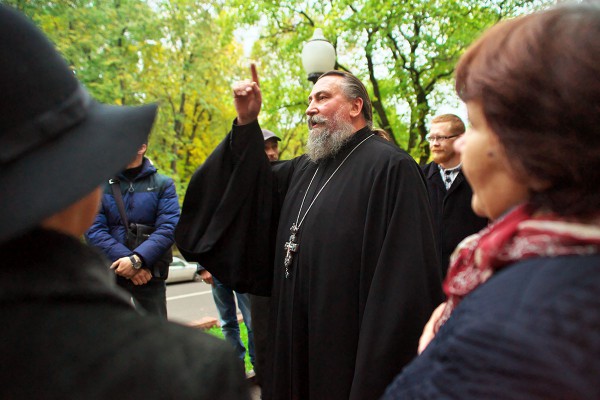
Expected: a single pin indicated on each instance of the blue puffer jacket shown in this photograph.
(149, 199)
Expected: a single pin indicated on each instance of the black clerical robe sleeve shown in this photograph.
(402, 283)
(227, 222)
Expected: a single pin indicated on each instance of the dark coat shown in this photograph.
(365, 279)
(532, 331)
(69, 333)
(453, 217)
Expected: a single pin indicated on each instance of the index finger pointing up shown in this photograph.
(254, 74)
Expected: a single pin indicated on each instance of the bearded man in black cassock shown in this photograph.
(342, 237)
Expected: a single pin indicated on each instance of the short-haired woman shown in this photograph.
(522, 319)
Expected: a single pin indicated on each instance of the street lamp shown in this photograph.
(318, 56)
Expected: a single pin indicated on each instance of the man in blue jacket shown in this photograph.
(149, 198)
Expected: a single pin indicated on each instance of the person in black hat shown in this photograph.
(68, 332)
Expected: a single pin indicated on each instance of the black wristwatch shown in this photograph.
(136, 262)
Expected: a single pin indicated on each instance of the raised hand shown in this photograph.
(247, 98)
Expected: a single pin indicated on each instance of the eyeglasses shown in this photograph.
(440, 139)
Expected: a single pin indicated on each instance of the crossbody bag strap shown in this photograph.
(116, 189)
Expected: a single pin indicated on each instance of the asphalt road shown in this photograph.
(190, 302)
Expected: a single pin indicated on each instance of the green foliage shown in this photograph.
(178, 53)
(196, 46)
(216, 331)
(402, 50)
(185, 54)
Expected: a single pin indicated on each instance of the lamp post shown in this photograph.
(318, 56)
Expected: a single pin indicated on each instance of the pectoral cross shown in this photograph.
(291, 247)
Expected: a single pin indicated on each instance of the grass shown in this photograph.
(216, 331)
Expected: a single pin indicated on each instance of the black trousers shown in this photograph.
(150, 298)
(259, 309)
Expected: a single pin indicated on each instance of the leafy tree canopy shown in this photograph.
(185, 54)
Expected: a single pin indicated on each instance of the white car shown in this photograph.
(182, 271)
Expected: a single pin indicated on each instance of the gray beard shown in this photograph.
(327, 143)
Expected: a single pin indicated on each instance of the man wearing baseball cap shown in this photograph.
(68, 332)
(271, 145)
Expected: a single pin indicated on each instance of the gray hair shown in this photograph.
(353, 88)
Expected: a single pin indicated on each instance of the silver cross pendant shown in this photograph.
(290, 247)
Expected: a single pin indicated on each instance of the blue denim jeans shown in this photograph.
(225, 302)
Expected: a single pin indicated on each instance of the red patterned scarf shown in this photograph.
(518, 235)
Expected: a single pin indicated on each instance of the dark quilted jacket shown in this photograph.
(70, 333)
(532, 331)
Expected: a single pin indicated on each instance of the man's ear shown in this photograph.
(357, 105)
(142, 149)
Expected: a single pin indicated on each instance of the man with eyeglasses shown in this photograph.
(449, 192)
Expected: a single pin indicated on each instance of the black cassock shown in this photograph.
(364, 280)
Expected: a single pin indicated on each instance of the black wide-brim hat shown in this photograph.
(57, 144)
